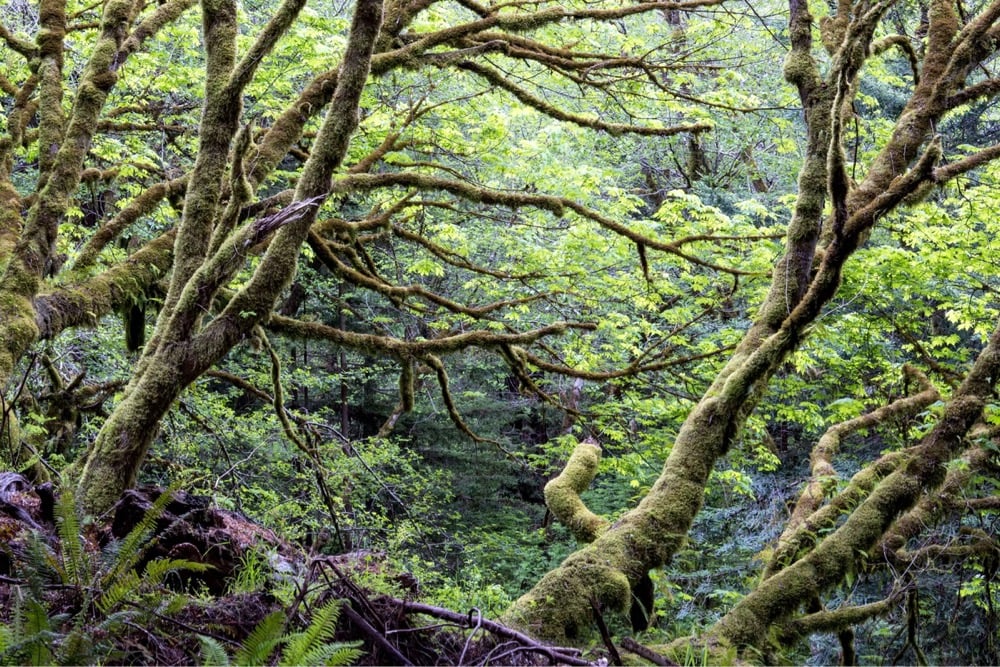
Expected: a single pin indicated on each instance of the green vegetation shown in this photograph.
(668, 322)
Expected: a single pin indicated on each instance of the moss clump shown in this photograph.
(561, 606)
(705, 650)
(10, 433)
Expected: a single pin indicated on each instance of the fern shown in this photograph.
(130, 550)
(127, 584)
(102, 586)
(36, 629)
(262, 641)
(74, 560)
(158, 568)
(6, 639)
(37, 564)
(320, 630)
(312, 646)
(155, 572)
(337, 654)
(77, 648)
(213, 653)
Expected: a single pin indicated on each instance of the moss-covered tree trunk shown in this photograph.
(180, 350)
(806, 278)
(29, 224)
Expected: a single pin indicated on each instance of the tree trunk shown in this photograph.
(179, 353)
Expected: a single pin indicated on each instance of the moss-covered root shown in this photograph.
(562, 494)
(561, 606)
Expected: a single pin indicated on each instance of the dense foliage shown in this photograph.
(373, 274)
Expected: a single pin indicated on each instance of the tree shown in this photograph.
(441, 243)
(891, 492)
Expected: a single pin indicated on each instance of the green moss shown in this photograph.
(561, 606)
(706, 650)
(562, 494)
(10, 433)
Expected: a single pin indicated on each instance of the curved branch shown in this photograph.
(562, 494)
(797, 535)
(83, 303)
(141, 206)
(18, 44)
(405, 349)
(555, 205)
(836, 620)
(614, 129)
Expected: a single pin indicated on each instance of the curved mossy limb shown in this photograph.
(559, 606)
(562, 494)
(780, 596)
(178, 355)
(805, 516)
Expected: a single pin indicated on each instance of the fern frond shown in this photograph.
(129, 552)
(261, 642)
(213, 653)
(172, 604)
(126, 584)
(321, 630)
(158, 568)
(113, 622)
(77, 648)
(6, 638)
(37, 631)
(337, 654)
(38, 565)
(74, 559)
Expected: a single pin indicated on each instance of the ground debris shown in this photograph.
(392, 630)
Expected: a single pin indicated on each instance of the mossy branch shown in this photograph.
(555, 205)
(747, 624)
(240, 189)
(398, 293)
(966, 164)
(279, 261)
(219, 119)
(902, 42)
(51, 123)
(950, 497)
(98, 77)
(981, 546)
(836, 620)
(497, 80)
(276, 27)
(403, 349)
(562, 494)
(83, 303)
(141, 206)
(18, 44)
(796, 535)
(449, 404)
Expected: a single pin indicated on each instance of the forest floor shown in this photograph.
(72, 590)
